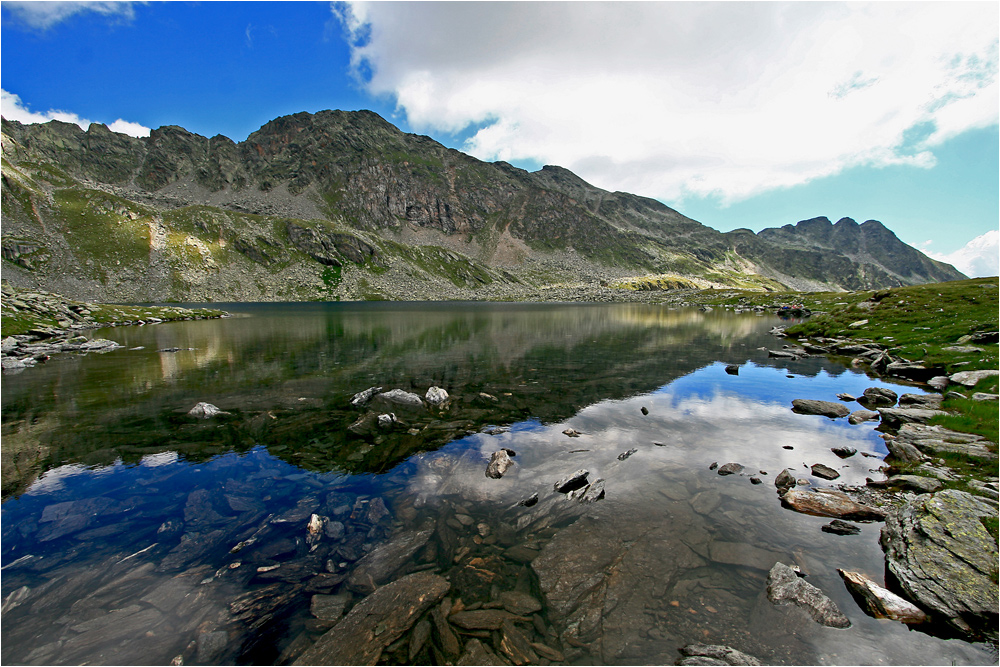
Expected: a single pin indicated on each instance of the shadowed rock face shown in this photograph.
(945, 560)
(365, 176)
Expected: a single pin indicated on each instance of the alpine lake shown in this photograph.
(134, 533)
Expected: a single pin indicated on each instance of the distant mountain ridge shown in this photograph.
(344, 205)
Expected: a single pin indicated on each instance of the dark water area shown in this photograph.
(133, 533)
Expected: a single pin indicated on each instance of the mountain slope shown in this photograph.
(344, 205)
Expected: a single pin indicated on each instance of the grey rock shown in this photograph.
(436, 396)
(878, 397)
(937, 440)
(911, 370)
(861, 416)
(625, 455)
(844, 452)
(903, 451)
(983, 396)
(784, 586)
(784, 480)
(783, 354)
(847, 397)
(971, 378)
(824, 471)
(386, 420)
(944, 559)
(712, 654)
(500, 461)
(377, 621)
(730, 469)
(915, 483)
(804, 406)
(929, 401)
(894, 417)
(939, 382)
(880, 602)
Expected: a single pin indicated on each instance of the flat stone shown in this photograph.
(402, 398)
(880, 602)
(944, 559)
(829, 502)
(939, 382)
(861, 416)
(830, 409)
(983, 396)
(328, 607)
(838, 527)
(520, 604)
(929, 401)
(785, 586)
(824, 471)
(378, 565)
(713, 654)
(515, 645)
(971, 378)
(377, 621)
(898, 416)
(915, 483)
(903, 451)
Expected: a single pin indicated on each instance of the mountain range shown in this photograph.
(344, 205)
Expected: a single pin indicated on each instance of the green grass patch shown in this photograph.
(979, 417)
(100, 227)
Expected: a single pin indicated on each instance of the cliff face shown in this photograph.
(344, 205)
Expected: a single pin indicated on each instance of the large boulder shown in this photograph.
(945, 560)
(971, 378)
(896, 417)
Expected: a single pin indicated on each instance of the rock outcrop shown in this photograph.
(944, 559)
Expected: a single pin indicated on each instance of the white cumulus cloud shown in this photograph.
(42, 15)
(12, 108)
(669, 99)
(979, 258)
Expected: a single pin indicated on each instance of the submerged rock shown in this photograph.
(711, 654)
(945, 560)
(378, 565)
(785, 586)
(377, 621)
(805, 406)
(879, 602)
(204, 410)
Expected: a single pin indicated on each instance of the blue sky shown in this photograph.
(736, 114)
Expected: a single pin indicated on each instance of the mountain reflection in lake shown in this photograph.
(134, 534)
